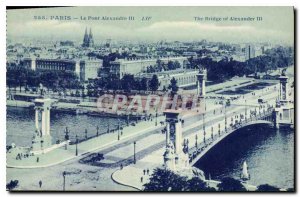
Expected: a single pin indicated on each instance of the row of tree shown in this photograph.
(127, 83)
(61, 81)
(166, 180)
(227, 68)
(161, 66)
(54, 80)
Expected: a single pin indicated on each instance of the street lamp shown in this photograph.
(187, 145)
(156, 118)
(225, 118)
(134, 159)
(66, 137)
(76, 145)
(85, 134)
(64, 180)
(245, 109)
(97, 131)
(118, 129)
(127, 119)
(108, 126)
(203, 124)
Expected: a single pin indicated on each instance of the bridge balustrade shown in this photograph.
(197, 150)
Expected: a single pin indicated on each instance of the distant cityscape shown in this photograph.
(90, 60)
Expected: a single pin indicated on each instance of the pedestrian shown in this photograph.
(40, 183)
(144, 172)
(37, 159)
(141, 179)
(121, 167)
(148, 171)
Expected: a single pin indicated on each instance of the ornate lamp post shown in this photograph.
(97, 131)
(108, 126)
(156, 117)
(76, 144)
(64, 180)
(127, 119)
(66, 137)
(225, 118)
(118, 129)
(134, 159)
(196, 143)
(203, 125)
(85, 134)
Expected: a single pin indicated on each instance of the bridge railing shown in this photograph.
(197, 150)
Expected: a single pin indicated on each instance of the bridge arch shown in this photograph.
(211, 144)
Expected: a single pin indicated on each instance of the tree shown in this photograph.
(144, 84)
(12, 184)
(267, 188)
(176, 64)
(171, 65)
(165, 180)
(173, 86)
(230, 184)
(128, 82)
(154, 83)
(197, 185)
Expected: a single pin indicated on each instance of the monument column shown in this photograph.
(37, 126)
(283, 87)
(42, 139)
(201, 77)
(174, 156)
(178, 139)
(167, 133)
(44, 121)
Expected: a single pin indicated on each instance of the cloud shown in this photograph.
(170, 30)
(185, 25)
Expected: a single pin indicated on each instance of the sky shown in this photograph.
(166, 23)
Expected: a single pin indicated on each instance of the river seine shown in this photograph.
(20, 125)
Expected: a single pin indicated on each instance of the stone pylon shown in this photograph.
(42, 138)
(174, 156)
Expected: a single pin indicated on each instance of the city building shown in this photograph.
(184, 77)
(120, 67)
(84, 68)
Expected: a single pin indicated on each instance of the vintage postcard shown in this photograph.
(150, 99)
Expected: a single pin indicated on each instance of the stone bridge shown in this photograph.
(196, 153)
